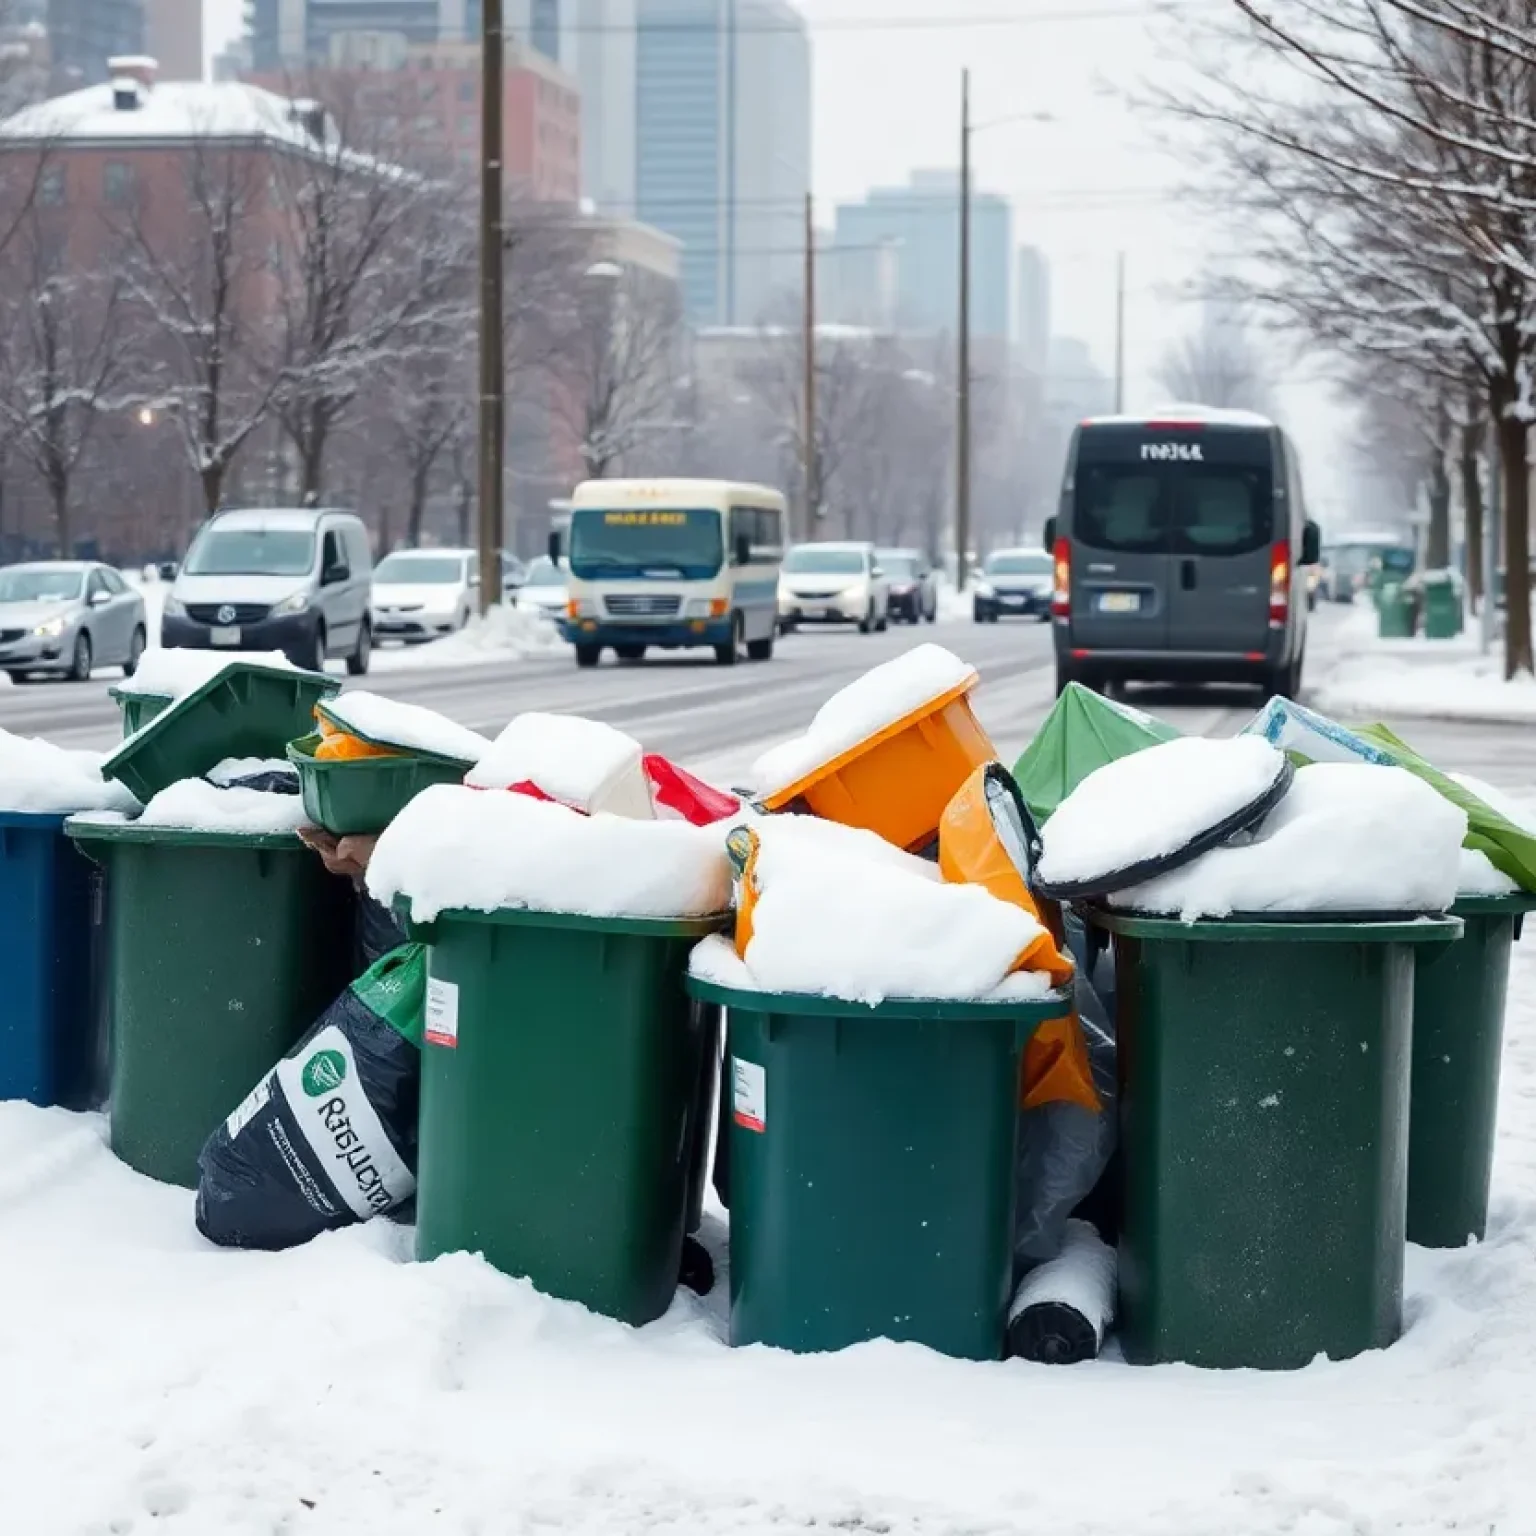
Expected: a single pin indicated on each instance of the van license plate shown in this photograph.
(224, 636)
(1119, 602)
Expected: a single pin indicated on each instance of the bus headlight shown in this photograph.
(581, 608)
(697, 608)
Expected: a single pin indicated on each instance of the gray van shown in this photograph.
(287, 579)
(1179, 550)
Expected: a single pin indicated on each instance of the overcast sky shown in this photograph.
(1083, 186)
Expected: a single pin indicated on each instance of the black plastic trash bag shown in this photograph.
(328, 1137)
(377, 931)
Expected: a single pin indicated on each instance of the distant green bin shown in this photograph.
(138, 709)
(560, 1096)
(365, 794)
(1459, 994)
(243, 711)
(1395, 613)
(1264, 1070)
(872, 1168)
(223, 948)
(1442, 610)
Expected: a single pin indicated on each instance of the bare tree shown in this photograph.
(59, 360)
(203, 292)
(1220, 363)
(614, 374)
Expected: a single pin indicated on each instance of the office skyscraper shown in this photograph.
(84, 34)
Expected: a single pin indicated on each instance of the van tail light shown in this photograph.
(1061, 593)
(1279, 585)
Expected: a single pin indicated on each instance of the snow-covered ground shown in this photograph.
(153, 1384)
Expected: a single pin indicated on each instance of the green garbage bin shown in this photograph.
(560, 1087)
(222, 949)
(1442, 610)
(872, 1168)
(138, 709)
(1394, 613)
(1264, 1071)
(1459, 994)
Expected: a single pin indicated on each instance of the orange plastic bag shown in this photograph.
(338, 747)
(972, 851)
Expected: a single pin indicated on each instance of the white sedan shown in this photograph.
(421, 594)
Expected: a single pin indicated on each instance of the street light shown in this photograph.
(963, 362)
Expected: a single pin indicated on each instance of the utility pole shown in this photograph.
(963, 359)
(493, 404)
(1119, 333)
(810, 469)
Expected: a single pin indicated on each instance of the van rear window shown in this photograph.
(1222, 512)
(1121, 507)
(1185, 509)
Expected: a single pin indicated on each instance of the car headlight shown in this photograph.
(51, 629)
(298, 603)
(857, 592)
(985, 589)
(175, 608)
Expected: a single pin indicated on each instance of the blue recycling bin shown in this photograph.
(51, 1048)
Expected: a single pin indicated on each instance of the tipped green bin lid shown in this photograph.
(244, 711)
(1082, 733)
(89, 829)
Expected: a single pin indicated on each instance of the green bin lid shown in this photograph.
(422, 754)
(1515, 904)
(84, 830)
(244, 711)
(938, 1010)
(1280, 927)
(529, 917)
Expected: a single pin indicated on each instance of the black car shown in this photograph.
(914, 585)
(1013, 582)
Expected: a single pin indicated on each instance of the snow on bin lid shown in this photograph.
(39, 779)
(409, 727)
(194, 805)
(835, 916)
(867, 706)
(581, 763)
(1143, 815)
(457, 848)
(169, 674)
(1347, 838)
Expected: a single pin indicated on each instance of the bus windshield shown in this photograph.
(644, 541)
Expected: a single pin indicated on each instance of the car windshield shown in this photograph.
(252, 552)
(38, 584)
(638, 542)
(903, 567)
(408, 569)
(1019, 565)
(545, 573)
(811, 561)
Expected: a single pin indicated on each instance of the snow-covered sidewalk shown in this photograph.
(155, 1384)
(1373, 679)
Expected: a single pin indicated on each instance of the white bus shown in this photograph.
(672, 564)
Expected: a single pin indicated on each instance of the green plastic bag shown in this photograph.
(1509, 848)
(395, 990)
(1081, 734)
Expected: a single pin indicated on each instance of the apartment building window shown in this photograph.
(52, 187)
(117, 183)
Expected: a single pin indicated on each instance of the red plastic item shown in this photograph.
(676, 792)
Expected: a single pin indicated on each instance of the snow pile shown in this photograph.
(581, 763)
(1153, 803)
(504, 634)
(233, 769)
(40, 779)
(194, 805)
(409, 727)
(454, 847)
(174, 673)
(833, 918)
(1345, 839)
(868, 705)
(1386, 686)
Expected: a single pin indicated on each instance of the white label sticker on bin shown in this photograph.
(442, 1013)
(749, 1094)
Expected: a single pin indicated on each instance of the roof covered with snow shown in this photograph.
(170, 112)
(1195, 415)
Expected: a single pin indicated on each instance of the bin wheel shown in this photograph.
(588, 655)
(357, 662)
(80, 662)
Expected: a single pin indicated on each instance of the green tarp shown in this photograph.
(1082, 733)
(1509, 847)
